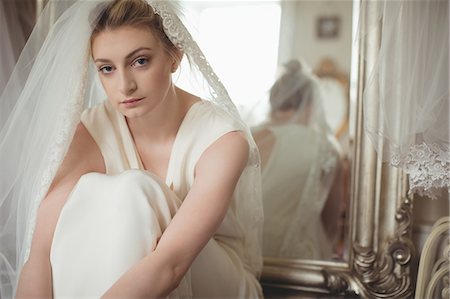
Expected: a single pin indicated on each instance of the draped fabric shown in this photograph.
(409, 84)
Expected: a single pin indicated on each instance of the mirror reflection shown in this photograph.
(288, 70)
(301, 170)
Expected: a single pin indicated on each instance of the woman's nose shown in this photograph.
(127, 83)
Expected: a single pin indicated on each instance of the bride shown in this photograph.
(133, 196)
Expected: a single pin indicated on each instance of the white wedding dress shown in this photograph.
(113, 220)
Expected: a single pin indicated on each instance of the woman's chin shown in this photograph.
(132, 114)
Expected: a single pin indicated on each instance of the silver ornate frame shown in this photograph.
(381, 248)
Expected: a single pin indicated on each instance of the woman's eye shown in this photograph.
(140, 61)
(105, 69)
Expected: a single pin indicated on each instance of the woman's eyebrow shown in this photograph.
(137, 50)
(129, 55)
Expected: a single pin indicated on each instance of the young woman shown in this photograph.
(145, 202)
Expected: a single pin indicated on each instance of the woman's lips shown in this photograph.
(130, 102)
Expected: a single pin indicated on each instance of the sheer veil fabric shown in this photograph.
(54, 81)
(410, 84)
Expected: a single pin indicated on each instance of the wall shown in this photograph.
(298, 37)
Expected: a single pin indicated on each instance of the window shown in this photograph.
(240, 40)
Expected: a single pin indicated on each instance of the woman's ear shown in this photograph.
(174, 67)
(177, 57)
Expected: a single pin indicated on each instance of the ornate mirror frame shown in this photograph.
(380, 246)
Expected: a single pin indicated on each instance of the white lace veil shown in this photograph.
(297, 92)
(410, 85)
(54, 81)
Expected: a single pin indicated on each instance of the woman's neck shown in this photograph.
(163, 122)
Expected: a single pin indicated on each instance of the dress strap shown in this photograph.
(202, 126)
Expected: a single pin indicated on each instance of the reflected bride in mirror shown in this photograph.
(301, 170)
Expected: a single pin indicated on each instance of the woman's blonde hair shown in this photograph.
(134, 13)
(293, 89)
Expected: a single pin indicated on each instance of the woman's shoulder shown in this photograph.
(206, 123)
(101, 107)
(210, 114)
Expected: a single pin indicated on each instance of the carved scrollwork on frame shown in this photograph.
(371, 273)
(338, 283)
(387, 275)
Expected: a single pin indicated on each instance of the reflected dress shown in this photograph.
(295, 185)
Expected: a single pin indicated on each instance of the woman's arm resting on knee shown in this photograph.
(35, 279)
(200, 215)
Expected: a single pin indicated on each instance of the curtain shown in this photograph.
(17, 18)
(409, 84)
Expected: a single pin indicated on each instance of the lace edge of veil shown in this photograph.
(428, 168)
(67, 121)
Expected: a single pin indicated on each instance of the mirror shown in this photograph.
(306, 159)
(306, 211)
(380, 214)
(246, 42)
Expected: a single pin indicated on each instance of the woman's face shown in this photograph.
(134, 68)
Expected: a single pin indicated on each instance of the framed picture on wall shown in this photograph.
(328, 26)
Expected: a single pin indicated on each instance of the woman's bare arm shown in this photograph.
(200, 215)
(82, 157)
